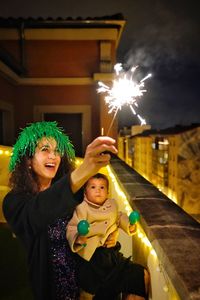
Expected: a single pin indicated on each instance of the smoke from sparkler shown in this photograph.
(124, 91)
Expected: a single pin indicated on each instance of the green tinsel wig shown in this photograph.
(30, 135)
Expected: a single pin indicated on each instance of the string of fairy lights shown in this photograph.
(5, 152)
(122, 197)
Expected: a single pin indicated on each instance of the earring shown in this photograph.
(29, 167)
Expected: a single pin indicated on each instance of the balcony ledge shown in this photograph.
(173, 233)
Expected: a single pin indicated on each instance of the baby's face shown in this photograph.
(96, 190)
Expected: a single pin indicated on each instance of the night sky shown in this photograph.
(161, 37)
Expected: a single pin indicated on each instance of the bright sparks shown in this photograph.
(125, 91)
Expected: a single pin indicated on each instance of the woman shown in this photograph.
(44, 193)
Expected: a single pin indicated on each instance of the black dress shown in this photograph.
(40, 223)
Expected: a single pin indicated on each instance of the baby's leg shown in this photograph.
(85, 296)
(135, 297)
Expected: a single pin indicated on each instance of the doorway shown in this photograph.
(6, 124)
(1, 127)
(72, 125)
(84, 131)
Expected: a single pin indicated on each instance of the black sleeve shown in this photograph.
(34, 213)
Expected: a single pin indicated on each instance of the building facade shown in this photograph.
(49, 70)
(170, 159)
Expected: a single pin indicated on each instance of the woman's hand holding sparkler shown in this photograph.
(93, 161)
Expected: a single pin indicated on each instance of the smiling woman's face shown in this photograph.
(46, 161)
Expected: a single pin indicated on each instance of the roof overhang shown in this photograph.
(63, 30)
(76, 30)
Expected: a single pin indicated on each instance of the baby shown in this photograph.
(100, 268)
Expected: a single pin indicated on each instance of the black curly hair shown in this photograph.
(23, 179)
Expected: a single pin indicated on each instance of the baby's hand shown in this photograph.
(81, 240)
(132, 228)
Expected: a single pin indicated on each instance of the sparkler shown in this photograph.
(125, 91)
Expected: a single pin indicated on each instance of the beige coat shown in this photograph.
(103, 220)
